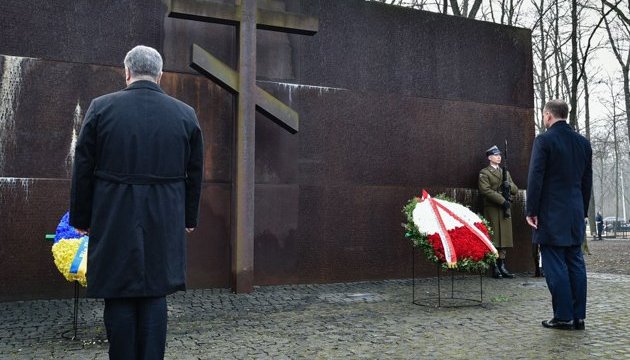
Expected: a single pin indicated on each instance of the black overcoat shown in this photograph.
(136, 185)
(559, 185)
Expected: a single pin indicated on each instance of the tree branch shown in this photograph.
(619, 12)
(588, 44)
(612, 42)
(474, 9)
(455, 8)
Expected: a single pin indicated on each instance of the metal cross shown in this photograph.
(250, 98)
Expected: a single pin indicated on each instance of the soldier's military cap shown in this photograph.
(494, 150)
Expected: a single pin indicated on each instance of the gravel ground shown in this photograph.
(610, 256)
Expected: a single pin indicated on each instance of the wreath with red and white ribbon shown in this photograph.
(449, 233)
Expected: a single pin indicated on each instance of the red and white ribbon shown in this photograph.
(435, 216)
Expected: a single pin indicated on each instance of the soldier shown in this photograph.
(496, 208)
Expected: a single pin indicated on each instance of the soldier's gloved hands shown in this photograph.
(506, 205)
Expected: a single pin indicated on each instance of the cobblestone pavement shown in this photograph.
(366, 320)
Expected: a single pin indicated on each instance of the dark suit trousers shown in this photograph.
(565, 273)
(136, 327)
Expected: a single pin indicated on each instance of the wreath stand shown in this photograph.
(72, 334)
(466, 299)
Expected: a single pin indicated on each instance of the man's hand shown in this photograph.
(83, 231)
(189, 230)
(532, 221)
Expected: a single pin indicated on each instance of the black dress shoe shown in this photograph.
(505, 272)
(558, 324)
(578, 324)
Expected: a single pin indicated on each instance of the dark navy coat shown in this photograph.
(136, 185)
(559, 185)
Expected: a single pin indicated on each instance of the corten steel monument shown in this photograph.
(243, 84)
(390, 101)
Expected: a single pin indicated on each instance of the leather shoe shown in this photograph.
(496, 272)
(578, 324)
(558, 324)
(505, 272)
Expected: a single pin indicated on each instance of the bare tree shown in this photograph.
(463, 9)
(618, 40)
(612, 103)
(565, 35)
(540, 49)
(414, 4)
(601, 150)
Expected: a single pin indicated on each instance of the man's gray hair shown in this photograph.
(558, 108)
(144, 61)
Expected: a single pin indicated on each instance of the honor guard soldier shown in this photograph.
(496, 187)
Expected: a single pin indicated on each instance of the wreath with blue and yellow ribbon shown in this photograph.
(70, 251)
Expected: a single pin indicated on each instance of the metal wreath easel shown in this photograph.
(75, 314)
(426, 301)
(72, 334)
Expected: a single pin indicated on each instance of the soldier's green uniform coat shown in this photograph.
(490, 180)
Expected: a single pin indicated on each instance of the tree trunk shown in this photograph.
(616, 140)
(626, 91)
(556, 46)
(455, 8)
(574, 64)
(587, 128)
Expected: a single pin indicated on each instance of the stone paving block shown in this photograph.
(368, 320)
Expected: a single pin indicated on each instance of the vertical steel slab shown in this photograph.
(243, 197)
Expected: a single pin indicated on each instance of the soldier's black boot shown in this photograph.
(503, 270)
(496, 272)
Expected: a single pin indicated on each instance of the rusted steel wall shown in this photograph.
(391, 101)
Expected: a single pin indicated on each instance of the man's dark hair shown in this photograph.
(558, 108)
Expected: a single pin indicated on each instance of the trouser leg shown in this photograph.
(557, 277)
(120, 323)
(577, 277)
(152, 322)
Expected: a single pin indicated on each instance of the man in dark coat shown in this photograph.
(558, 193)
(136, 187)
(495, 207)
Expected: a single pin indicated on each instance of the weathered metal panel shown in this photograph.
(373, 47)
(41, 112)
(30, 209)
(379, 121)
(93, 32)
(279, 254)
(357, 138)
(208, 246)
